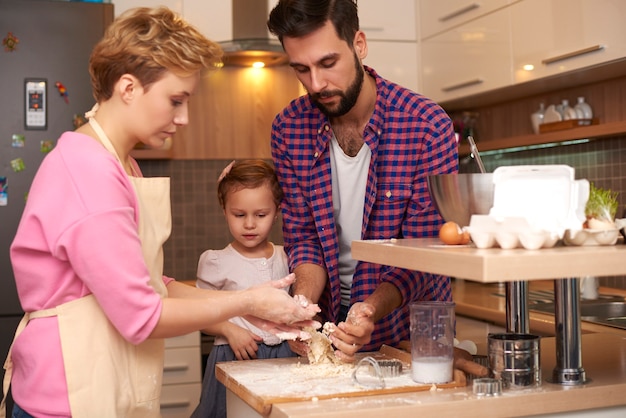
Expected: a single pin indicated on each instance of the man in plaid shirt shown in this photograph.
(353, 157)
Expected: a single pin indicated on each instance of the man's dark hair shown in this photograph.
(296, 18)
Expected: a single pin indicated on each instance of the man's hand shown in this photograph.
(349, 336)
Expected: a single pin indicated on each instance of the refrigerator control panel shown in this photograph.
(36, 103)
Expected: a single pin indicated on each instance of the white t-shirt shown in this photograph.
(229, 270)
(349, 179)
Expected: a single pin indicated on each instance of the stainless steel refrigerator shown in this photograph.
(43, 43)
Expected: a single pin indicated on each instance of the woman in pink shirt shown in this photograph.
(87, 255)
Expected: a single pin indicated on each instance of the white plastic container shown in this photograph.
(533, 207)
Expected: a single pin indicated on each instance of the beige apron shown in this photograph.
(106, 375)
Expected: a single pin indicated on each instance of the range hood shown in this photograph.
(251, 43)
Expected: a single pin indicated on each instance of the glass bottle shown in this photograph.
(583, 110)
(536, 118)
(567, 111)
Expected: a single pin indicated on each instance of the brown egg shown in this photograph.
(452, 234)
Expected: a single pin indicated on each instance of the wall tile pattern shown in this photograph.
(198, 223)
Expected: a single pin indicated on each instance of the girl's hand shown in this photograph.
(242, 342)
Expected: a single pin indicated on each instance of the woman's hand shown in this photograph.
(269, 302)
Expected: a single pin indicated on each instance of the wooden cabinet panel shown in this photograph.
(231, 114)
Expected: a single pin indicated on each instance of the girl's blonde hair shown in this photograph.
(145, 43)
(249, 174)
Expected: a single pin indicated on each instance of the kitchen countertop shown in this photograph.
(493, 265)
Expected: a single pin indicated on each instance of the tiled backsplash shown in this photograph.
(198, 223)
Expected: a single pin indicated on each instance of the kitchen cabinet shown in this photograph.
(565, 35)
(391, 32)
(120, 6)
(214, 18)
(182, 376)
(388, 21)
(395, 61)
(468, 59)
(438, 16)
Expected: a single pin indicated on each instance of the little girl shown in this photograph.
(250, 197)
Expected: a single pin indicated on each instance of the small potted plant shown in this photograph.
(601, 208)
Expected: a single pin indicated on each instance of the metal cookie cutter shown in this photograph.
(379, 369)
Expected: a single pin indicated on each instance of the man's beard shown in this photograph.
(348, 99)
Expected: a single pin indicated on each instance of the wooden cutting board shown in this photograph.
(262, 383)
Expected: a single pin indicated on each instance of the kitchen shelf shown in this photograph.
(493, 265)
(591, 132)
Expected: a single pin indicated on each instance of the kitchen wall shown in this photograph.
(198, 223)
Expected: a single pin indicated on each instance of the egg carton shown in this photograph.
(591, 237)
(533, 207)
(508, 233)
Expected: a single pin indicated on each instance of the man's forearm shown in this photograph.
(385, 299)
(310, 281)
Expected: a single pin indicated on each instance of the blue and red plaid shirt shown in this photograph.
(410, 137)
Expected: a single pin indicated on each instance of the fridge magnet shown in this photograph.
(4, 191)
(18, 165)
(62, 91)
(10, 42)
(79, 120)
(17, 141)
(46, 146)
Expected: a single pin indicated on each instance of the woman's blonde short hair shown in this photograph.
(145, 43)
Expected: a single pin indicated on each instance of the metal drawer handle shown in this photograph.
(460, 11)
(175, 404)
(176, 368)
(463, 84)
(573, 54)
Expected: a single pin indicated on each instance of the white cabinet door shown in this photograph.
(390, 20)
(395, 61)
(440, 15)
(566, 35)
(120, 6)
(214, 18)
(470, 59)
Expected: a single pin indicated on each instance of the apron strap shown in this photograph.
(8, 363)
